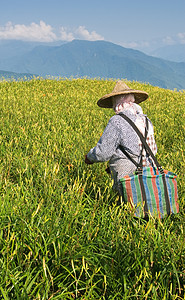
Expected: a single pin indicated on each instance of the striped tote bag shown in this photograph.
(150, 190)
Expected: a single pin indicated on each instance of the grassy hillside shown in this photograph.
(62, 236)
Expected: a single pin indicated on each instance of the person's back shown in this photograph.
(119, 133)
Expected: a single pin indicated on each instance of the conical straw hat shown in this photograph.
(121, 89)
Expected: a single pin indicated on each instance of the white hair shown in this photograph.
(120, 99)
(128, 98)
(122, 102)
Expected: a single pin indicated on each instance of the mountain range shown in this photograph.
(174, 52)
(92, 59)
(4, 75)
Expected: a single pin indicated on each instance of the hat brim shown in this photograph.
(106, 100)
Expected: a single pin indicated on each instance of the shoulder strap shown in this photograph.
(147, 148)
(146, 133)
(138, 165)
(128, 155)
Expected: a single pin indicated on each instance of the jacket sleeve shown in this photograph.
(107, 144)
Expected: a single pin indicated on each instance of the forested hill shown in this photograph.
(97, 59)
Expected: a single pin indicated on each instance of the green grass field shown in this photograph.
(62, 235)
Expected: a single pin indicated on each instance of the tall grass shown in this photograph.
(62, 234)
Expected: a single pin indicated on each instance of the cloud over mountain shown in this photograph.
(43, 32)
(34, 32)
(150, 45)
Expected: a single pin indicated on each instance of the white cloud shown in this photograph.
(172, 40)
(79, 33)
(136, 45)
(83, 33)
(168, 40)
(43, 32)
(181, 37)
(151, 45)
(33, 32)
(65, 35)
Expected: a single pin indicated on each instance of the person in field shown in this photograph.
(123, 100)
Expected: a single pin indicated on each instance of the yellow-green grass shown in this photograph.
(62, 234)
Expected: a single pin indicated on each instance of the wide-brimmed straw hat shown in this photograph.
(121, 89)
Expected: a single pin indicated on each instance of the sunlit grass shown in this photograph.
(62, 234)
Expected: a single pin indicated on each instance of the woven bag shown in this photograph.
(150, 190)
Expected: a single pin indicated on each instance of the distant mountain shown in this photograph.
(13, 48)
(98, 59)
(12, 75)
(171, 52)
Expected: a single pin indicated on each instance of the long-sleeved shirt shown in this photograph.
(119, 132)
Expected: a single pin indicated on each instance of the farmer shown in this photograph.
(123, 100)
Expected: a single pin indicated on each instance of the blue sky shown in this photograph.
(139, 24)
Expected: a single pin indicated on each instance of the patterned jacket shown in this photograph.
(119, 132)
